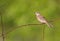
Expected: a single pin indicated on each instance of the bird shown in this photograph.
(42, 19)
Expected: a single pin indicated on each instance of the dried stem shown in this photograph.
(2, 25)
(20, 27)
(43, 32)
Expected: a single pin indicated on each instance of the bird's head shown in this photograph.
(37, 13)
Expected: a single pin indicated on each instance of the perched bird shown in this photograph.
(41, 19)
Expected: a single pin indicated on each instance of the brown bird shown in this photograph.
(41, 19)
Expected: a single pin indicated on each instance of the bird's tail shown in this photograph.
(49, 25)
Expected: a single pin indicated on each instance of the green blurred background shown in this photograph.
(19, 12)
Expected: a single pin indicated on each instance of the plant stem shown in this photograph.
(2, 25)
(43, 32)
(20, 27)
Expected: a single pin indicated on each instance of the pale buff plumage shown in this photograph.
(41, 19)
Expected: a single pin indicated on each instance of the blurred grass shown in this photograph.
(19, 12)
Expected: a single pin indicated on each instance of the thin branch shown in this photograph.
(20, 27)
